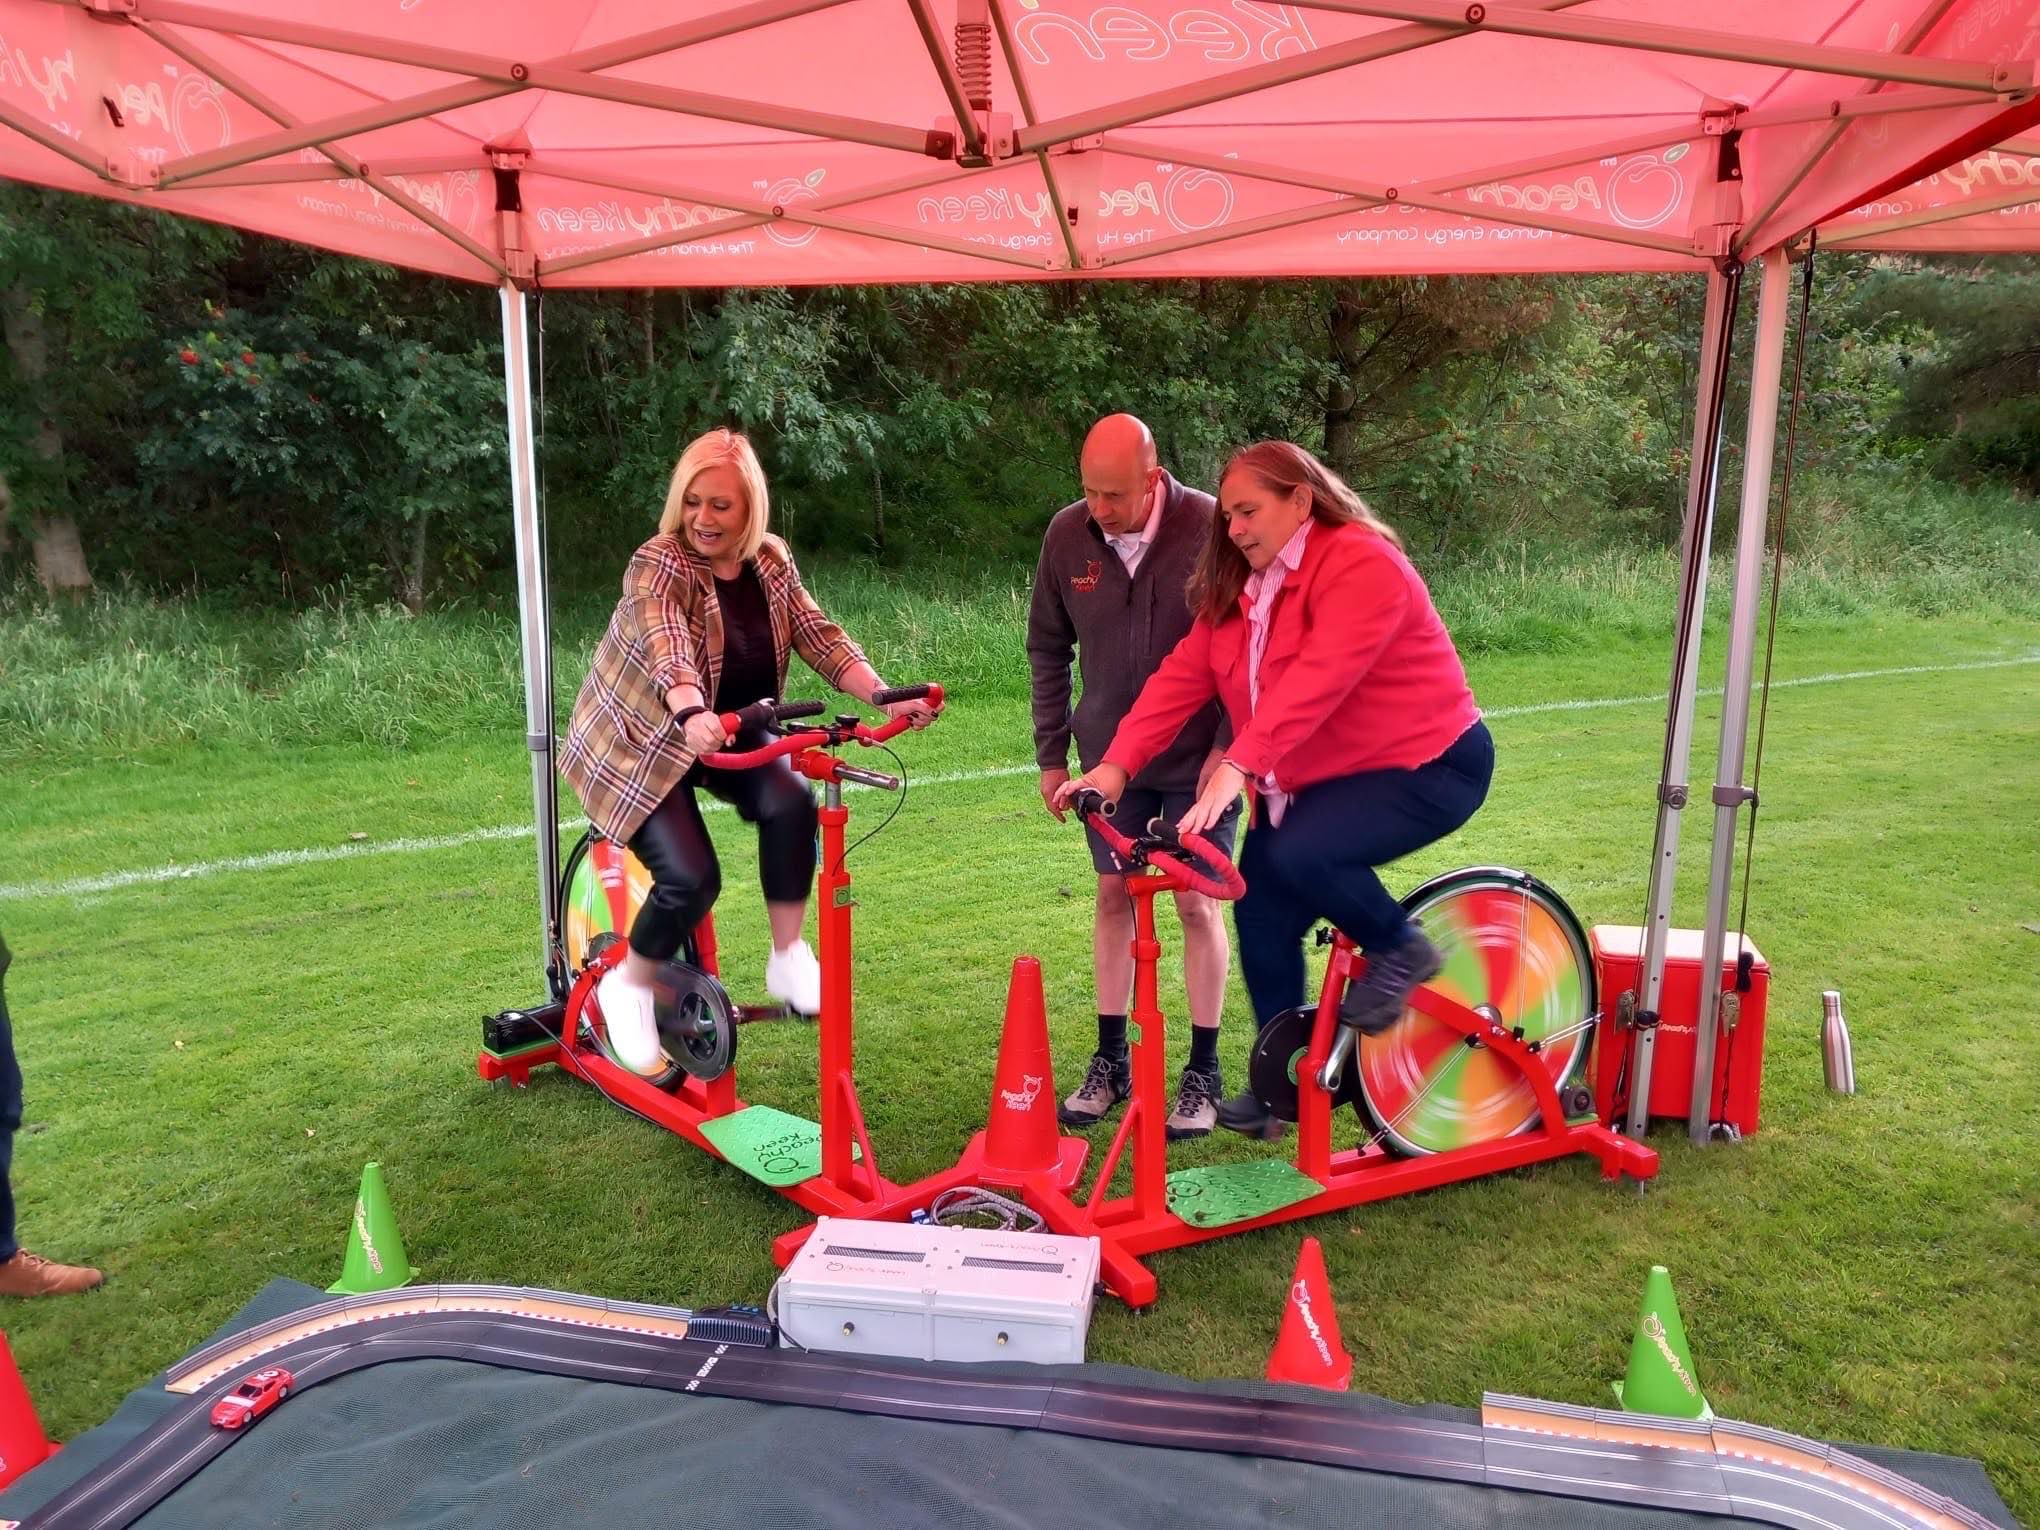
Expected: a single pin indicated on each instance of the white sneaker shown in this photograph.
(629, 1016)
(794, 977)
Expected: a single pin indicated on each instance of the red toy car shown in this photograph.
(252, 1398)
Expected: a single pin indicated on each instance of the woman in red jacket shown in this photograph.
(1352, 724)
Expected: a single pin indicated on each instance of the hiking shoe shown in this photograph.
(1196, 1112)
(794, 978)
(29, 1274)
(630, 1016)
(1376, 1002)
(1107, 1080)
(1249, 1115)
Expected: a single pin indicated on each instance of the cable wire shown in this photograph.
(950, 1207)
(899, 801)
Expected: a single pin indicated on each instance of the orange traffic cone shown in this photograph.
(23, 1445)
(1020, 1132)
(1308, 1351)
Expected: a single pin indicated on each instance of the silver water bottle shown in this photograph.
(1836, 1054)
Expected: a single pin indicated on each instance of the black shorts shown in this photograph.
(1137, 804)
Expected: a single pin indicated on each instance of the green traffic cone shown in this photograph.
(1661, 1378)
(375, 1251)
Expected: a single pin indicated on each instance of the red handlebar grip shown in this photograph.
(1227, 885)
(791, 744)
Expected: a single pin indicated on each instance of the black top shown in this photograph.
(750, 667)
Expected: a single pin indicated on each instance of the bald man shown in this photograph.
(1111, 593)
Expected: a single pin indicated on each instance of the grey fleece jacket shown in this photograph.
(1118, 630)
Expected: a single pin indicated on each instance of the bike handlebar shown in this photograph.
(769, 711)
(1089, 801)
(760, 714)
(1154, 849)
(793, 743)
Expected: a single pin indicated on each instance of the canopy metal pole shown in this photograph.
(1697, 536)
(1729, 792)
(531, 606)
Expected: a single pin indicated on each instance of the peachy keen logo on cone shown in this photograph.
(1300, 1294)
(1023, 1097)
(367, 1239)
(1654, 1330)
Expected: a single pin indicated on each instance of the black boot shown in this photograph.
(1376, 1002)
(1247, 1114)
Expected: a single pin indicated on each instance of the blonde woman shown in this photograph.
(712, 607)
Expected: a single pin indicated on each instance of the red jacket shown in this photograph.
(1359, 672)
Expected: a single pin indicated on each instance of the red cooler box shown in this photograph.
(1738, 1054)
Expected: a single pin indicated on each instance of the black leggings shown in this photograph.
(686, 878)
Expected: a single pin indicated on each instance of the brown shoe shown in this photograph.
(29, 1274)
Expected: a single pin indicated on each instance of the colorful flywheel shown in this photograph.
(604, 883)
(1513, 952)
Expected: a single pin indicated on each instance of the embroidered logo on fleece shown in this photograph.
(1086, 582)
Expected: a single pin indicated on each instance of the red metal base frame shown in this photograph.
(1132, 1226)
(847, 1184)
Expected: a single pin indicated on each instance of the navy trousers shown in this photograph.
(10, 1119)
(1321, 863)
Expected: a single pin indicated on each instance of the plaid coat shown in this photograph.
(622, 754)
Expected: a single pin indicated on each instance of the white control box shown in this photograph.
(939, 1293)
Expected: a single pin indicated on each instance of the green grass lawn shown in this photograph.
(211, 1058)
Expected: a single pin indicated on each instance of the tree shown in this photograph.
(82, 283)
(353, 416)
(1388, 340)
(1967, 370)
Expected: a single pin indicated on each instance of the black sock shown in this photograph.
(1112, 1035)
(1204, 1048)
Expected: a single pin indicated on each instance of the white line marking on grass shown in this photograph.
(1659, 698)
(114, 880)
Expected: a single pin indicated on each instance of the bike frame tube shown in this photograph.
(832, 920)
(1150, 1071)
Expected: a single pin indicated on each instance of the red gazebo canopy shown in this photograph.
(604, 143)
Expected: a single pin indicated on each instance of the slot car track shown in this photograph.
(1712, 1467)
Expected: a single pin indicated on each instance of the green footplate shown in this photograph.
(1223, 1193)
(770, 1145)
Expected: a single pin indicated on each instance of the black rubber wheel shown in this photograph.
(1277, 1056)
(697, 1021)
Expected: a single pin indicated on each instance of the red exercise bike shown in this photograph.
(1485, 1071)
(826, 1166)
